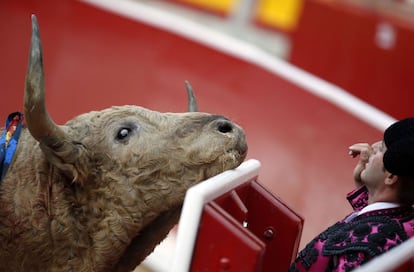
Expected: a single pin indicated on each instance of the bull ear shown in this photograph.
(53, 139)
(192, 103)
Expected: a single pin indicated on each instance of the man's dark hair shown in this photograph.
(405, 192)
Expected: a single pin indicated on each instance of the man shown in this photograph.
(383, 201)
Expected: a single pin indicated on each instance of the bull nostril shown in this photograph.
(224, 126)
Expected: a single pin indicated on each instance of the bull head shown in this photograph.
(60, 149)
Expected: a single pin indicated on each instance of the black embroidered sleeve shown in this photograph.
(371, 235)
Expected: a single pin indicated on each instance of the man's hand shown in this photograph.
(364, 151)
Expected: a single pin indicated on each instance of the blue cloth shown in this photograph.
(8, 148)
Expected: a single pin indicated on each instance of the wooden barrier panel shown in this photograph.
(359, 48)
(222, 244)
(232, 223)
(249, 224)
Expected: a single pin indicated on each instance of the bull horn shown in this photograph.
(192, 103)
(40, 124)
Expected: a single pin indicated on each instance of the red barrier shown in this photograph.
(268, 241)
(231, 223)
(221, 244)
(360, 49)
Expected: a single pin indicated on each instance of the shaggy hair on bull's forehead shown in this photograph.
(110, 120)
(107, 117)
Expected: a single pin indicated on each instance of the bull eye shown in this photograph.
(123, 133)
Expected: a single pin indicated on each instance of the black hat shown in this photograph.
(399, 140)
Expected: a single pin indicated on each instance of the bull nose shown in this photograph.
(224, 126)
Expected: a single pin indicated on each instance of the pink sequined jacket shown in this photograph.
(350, 243)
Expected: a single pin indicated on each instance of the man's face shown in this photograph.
(374, 172)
